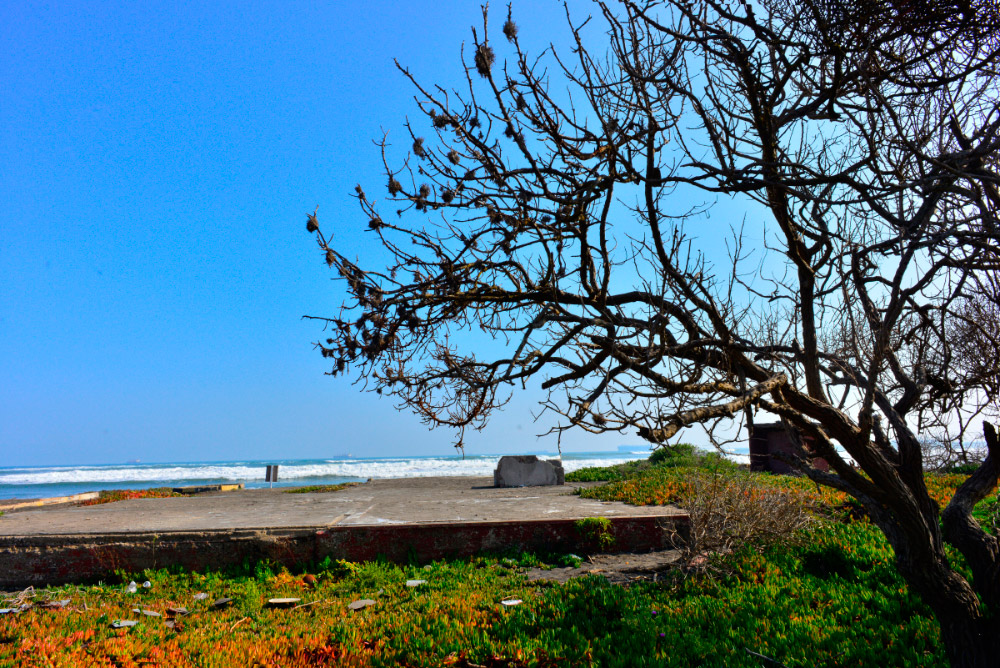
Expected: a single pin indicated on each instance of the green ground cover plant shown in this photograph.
(113, 495)
(315, 489)
(833, 598)
(658, 485)
(836, 601)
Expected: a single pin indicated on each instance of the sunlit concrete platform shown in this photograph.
(398, 519)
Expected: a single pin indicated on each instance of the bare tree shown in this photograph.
(972, 345)
(561, 207)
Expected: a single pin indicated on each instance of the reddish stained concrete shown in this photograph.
(362, 523)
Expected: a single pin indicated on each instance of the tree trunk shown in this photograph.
(971, 644)
(970, 637)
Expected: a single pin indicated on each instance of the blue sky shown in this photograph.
(157, 161)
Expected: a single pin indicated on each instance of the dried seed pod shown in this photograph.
(394, 187)
(311, 223)
(418, 147)
(453, 157)
(484, 60)
(510, 30)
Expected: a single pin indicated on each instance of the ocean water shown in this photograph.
(32, 482)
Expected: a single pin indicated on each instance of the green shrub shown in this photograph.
(605, 473)
(679, 454)
(962, 469)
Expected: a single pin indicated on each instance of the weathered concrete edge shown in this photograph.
(40, 560)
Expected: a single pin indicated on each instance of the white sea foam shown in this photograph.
(417, 467)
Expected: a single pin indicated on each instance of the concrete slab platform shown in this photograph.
(423, 518)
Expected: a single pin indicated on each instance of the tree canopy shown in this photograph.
(560, 205)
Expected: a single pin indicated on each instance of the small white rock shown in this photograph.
(415, 583)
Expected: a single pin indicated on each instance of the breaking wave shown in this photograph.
(43, 481)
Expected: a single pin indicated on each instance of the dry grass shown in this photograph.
(731, 510)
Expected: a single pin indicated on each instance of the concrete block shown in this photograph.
(528, 471)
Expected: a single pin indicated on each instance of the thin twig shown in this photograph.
(768, 661)
(233, 627)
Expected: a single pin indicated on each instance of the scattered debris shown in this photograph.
(360, 604)
(147, 584)
(148, 613)
(9, 611)
(415, 583)
(282, 602)
(24, 597)
(221, 603)
(303, 605)
(132, 587)
(55, 605)
(509, 602)
(123, 623)
(200, 596)
(176, 612)
(309, 579)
